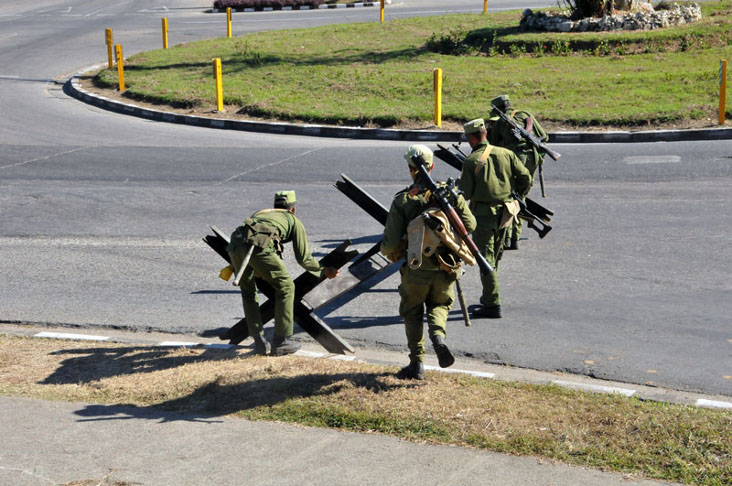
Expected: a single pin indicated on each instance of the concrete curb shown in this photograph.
(304, 7)
(73, 88)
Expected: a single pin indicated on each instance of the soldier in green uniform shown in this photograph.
(489, 176)
(500, 135)
(262, 237)
(429, 287)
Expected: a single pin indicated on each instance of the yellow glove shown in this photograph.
(226, 272)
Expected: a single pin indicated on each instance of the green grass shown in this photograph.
(612, 432)
(372, 74)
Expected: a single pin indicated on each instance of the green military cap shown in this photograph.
(474, 126)
(424, 151)
(501, 102)
(285, 197)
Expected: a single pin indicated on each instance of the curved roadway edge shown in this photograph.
(73, 88)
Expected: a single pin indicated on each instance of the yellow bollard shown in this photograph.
(120, 67)
(437, 74)
(722, 90)
(382, 11)
(165, 33)
(219, 84)
(228, 22)
(485, 6)
(108, 35)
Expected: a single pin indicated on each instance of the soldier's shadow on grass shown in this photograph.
(214, 399)
(90, 365)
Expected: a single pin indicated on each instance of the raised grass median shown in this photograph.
(372, 74)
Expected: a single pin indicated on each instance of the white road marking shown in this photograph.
(78, 337)
(177, 344)
(309, 354)
(479, 374)
(703, 402)
(161, 8)
(94, 12)
(68, 9)
(340, 357)
(220, 346)
(266, 166)
(43, 158)
(595, 388)
(9, 36)
(652, 159)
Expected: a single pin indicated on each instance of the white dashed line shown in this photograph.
(62, 335)
(340, 357)
(220, 346)
(595, 388)
(703, 402)
(177, 344)
(479, 374)
(652, 159)
(309, 354)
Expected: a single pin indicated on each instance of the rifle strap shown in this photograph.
(483, 158)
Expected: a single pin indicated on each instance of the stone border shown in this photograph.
(303, 7)
(73, 88)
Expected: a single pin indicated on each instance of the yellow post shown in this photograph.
(437, 74)
(485, 6)
(722, 90)
(219, 84)
(382, 11)
(110, 47)
(228, 22)
(120, 67)
(165, 33)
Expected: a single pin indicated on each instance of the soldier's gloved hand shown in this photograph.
(331, 272)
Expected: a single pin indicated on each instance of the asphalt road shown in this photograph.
(101, 215)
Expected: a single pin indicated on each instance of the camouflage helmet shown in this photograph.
(284, 198)
(417, 150)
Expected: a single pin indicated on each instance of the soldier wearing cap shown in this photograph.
(502, 136)
(429, 287)
(267, 231)
(489, 176)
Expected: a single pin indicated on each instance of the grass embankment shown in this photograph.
(372, 74)
(611, 432)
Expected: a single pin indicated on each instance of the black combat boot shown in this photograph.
(444, 356)
(413, 371)
(512, 243)
(493, 312)
(261, 346)
(283, 346)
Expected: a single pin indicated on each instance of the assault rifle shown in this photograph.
(522, 134)
(440, 195)
(536, 215)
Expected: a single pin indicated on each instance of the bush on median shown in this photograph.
(258, 4)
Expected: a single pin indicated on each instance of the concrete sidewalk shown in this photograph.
(55, 443)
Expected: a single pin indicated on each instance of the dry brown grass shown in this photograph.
(659, 440)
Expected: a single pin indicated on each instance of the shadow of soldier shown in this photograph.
(89, 365)
(219, 399)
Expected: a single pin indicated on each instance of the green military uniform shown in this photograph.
(501, 135)
(428, 287)
(267, 264)
(487, 180)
